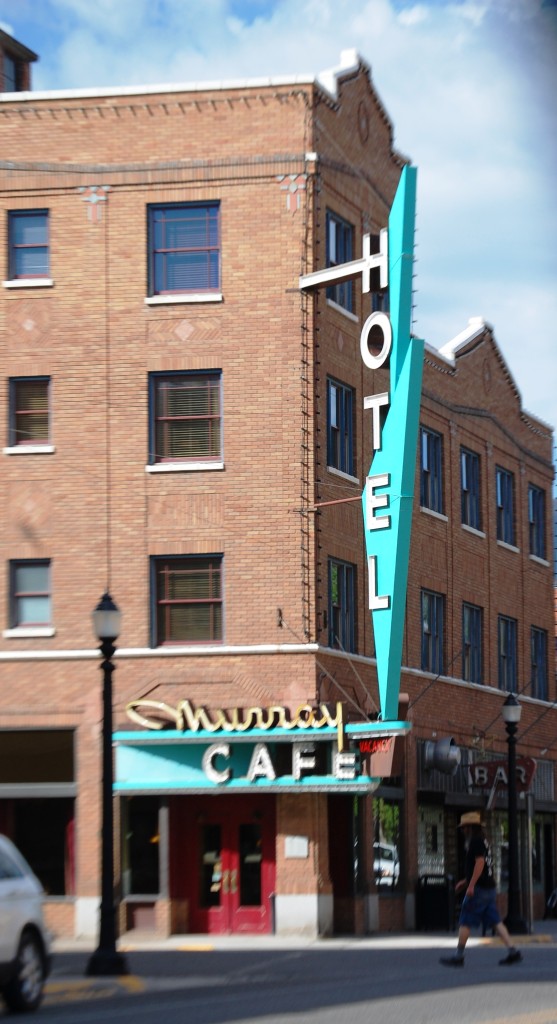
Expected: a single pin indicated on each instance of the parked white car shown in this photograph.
(386, 864)
(24, 939)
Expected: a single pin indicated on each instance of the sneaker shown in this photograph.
(512, 958)
(452, 961)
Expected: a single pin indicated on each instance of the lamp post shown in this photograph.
(106, 960)
(511, 716)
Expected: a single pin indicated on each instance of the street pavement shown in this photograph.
(190, 962)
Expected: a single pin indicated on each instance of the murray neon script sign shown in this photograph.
(388, 494)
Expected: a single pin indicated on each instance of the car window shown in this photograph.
(8, 868)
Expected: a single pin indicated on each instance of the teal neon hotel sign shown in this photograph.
(388, 494)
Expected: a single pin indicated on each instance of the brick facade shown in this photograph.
(276, 157)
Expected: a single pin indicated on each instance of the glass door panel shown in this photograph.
(210, 868)
(250, 849)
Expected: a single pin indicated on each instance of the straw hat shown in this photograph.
(470, 818)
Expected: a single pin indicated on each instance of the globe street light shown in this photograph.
(511, 716)
(106, 959)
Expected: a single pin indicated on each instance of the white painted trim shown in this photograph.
(37, 282)
(183, 467)
(30, 449)
(180, 297)
(432, 512)
(472, 529)
(24, 632)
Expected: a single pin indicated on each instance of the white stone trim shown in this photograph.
(32, 282)
(30, 449)
(182, 467)
(304, 914)
(180, 297)
(508, 547)
(432, 512)
(472, 529)
(24, 632)
(345, 312)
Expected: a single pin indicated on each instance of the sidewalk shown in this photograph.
(543, 932)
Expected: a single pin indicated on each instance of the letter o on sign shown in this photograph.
(381, 321)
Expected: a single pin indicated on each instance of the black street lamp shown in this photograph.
(514, 921)
(106, 959)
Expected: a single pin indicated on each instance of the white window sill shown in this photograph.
(432, 512)
(345, 312)
(540, 561)
(30, 449)
(183, 467)
(165, 300)
(508, 547)
(31, 282)
(344, 476)
(472, 529)
(26, 632)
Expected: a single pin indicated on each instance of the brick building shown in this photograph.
(184, 426)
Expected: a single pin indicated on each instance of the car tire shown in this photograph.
(24, 991)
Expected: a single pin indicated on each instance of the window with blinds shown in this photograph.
(184, 248)
(29, 411)
(187, 599)
(186, 417)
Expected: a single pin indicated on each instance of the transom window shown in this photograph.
(340, 424)
(505, 505)
(30, 593)
(432, 631)
(28, 243)
(431, 482)
(472, 643)
(29, 411)
(342, 604)
(340, 248)
(538, 649)
(184, 248)
(536, 521)
(187, 599)
(470, 488)
(506, 653)
(186, 417)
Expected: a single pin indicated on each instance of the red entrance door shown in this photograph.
(226, 848)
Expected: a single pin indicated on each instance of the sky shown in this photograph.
(471, 89)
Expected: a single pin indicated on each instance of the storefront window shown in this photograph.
(141, 845)
(431, 841)
(387, 845)
(42, 824)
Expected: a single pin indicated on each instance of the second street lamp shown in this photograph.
(106, 959)
(514, 921)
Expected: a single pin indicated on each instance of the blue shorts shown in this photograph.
(481, 909)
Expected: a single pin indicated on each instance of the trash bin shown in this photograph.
(435, 903)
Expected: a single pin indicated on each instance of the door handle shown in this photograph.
(233, 882)
(225, 881)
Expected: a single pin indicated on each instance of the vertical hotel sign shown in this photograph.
(388, 494)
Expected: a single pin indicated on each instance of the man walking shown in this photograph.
(479, 906)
